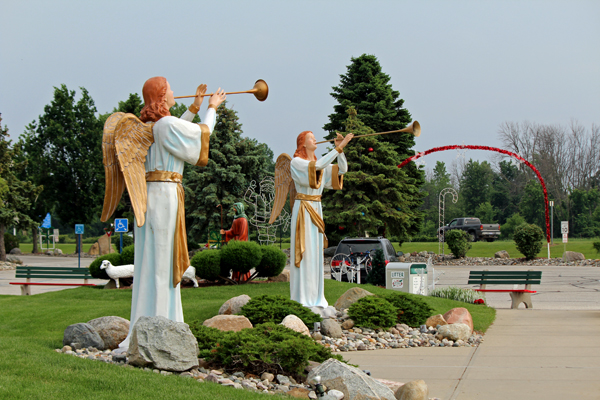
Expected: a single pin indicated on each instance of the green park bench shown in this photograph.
(518, 296)
(24, 271)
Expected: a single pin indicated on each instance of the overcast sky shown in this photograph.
(462, 67)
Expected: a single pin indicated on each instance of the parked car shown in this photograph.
(360, 251)
(475, 229)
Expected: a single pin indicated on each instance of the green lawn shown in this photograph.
(485, 249)
(31, 327)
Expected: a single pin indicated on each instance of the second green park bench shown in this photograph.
(518, 296)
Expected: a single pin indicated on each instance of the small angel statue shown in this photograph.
(310, 177)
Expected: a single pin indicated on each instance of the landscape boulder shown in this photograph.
(501, 254)
(454, 332)
(284, 276)
(294, 323)
(350, 297)
(459, 315)
(81, 335)
(351, 381)
(569, 256)
(413, 390)
(94, 250)
(105, 245)
(436, 320)
(158, 342)
(228, 322)
(234, 305)
(15, 251)
(330, 327)
(58, 252)
(113, 330)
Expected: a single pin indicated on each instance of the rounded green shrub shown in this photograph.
(240, 256)
(268, 347)
(10, 242)
(528, 238)
(207, 264)
(411, 310)
(96, 272)
(377, 275)
(458, 242)
(373, 312)
(128, 255)
(115, 239)
(272, 262)
(274, 308)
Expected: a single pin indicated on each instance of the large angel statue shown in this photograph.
(310, 176)
(147, 156)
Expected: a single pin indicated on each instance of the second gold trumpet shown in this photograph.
(260, 91)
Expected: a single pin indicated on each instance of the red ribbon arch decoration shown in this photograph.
(488, 148)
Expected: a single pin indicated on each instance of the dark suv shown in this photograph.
(356, 250)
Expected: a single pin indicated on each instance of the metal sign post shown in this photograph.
(79, 231)
(121, 227)
(564, 228)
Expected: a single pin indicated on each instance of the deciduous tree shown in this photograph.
(16, 196)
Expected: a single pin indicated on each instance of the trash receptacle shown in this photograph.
(406, 277)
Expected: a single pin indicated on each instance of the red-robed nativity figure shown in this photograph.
(148, 157)
(238, 231)
(309, 176)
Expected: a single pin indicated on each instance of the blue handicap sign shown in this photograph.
(79, 229)
(121, 225)
(47, 222)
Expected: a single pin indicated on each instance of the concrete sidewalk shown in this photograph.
(527, 354)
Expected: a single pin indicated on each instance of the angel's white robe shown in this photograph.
(176, 141)
(307, 281)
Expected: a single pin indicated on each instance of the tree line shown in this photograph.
(507, 192)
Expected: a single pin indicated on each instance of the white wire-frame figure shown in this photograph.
(260, 197)
(441, 216)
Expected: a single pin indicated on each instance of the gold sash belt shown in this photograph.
(181, 260)
(300, 228)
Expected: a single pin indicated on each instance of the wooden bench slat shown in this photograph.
(503, 282)
(51, 284)
(55, 276)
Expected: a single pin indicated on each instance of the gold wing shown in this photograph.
(283, 181)
(133, 138)
(115, 184)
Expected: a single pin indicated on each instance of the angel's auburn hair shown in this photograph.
(154, 92)
(300, 149)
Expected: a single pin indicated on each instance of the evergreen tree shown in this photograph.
(64, 152)
(366, 88)
(233, 162)
(377, 197)
(16, 196)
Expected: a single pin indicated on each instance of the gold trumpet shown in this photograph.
(260, 91)
(414, 128)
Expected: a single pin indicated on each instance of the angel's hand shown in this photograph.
(344, 142)
(217, 98)
(199, 92)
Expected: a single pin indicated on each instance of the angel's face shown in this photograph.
(310, 142)
(169, 99)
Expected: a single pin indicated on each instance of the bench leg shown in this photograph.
(25, 290)
(521, 297)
